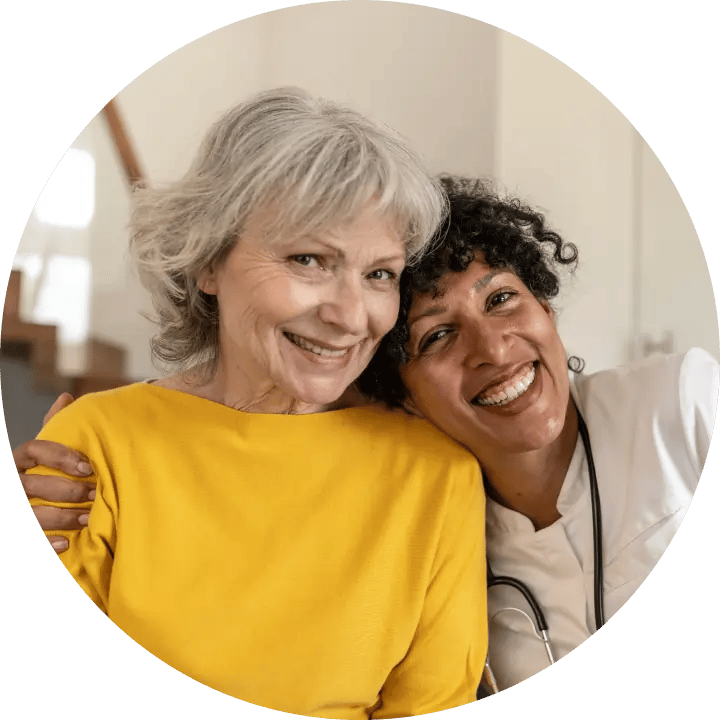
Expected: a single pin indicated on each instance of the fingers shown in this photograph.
(59, 543)
(52, 488)
(63, 401)
(54, 518)
(54, 455)
(57, 489)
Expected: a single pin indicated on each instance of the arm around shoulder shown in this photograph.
(90, 550)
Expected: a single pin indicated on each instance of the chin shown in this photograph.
(523, 445)
(320, 394)
(540, 438)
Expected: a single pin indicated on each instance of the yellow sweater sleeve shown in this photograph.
(89, 556)
(444, 663)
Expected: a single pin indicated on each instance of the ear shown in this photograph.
(207, 281)
(409, 406)
(546, 307)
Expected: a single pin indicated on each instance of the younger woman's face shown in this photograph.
(486, 364)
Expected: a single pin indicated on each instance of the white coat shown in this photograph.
(650, 425)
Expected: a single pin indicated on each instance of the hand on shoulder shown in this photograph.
(54, 488)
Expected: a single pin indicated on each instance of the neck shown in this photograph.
(530, 482)
(233, 388)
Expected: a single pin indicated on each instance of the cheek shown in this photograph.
(555, 357)
(383, 312)
(281, 299)
(296, 296)
(428, 387)
(551, 340)
(537, 328)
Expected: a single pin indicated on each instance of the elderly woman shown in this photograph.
(587, 477)
(251, 527)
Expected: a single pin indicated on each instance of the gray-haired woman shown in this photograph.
(252, 527)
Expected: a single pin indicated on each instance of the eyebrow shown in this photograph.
(390, 259)
(340, 252)
(483, 282)
(323, 243)
(432, 310)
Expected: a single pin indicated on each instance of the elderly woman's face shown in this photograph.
(486, 363)
(307, 314)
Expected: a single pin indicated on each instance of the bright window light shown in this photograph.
(64, 297)
(30, 264)
(68, 199)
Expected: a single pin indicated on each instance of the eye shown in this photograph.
(500, 298)
(308, 261)
(383, 275)
(435, 336)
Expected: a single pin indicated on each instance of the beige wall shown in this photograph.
(673, 286)
(564, 147)
(170, 106)
(429, 74)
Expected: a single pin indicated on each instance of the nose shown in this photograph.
(345, 307)
(489, 343)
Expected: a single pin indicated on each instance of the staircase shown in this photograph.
(37, 345)
(105, 363)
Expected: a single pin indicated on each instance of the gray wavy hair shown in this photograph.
(313, 163)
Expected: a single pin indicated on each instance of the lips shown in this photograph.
(316, 349)
(509, 389)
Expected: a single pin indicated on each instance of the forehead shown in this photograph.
(370, 227)
(370, 232)
(475, 276)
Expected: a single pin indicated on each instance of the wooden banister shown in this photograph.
(123, 145)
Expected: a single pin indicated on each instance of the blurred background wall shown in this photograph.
(473, 99)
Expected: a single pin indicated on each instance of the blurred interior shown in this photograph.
(473, 99)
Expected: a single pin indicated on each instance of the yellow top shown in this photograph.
(330, 565)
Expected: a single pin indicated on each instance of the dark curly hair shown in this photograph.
(508, 233)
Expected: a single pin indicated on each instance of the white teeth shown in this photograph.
(509, 393)
(315, 349)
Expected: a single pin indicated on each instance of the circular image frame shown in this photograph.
(51, 666)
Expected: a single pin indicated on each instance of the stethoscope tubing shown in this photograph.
(596, 524)
(540, 622)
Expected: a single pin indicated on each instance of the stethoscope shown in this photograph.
(540, 623)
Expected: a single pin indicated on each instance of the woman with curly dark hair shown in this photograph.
(587, 477)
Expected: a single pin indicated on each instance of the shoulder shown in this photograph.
(655, 381)
(99, 408)
(655, 410)
(411, 446)
(699, 375)
(431, 464)
(124, 395)
(410, 432)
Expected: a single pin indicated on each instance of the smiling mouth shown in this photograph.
(507, 391)
(315, 349)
